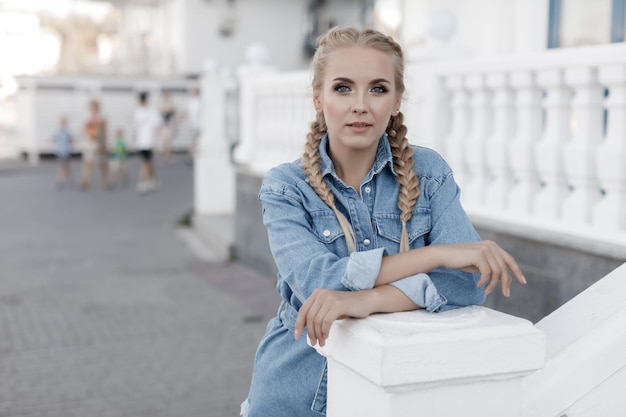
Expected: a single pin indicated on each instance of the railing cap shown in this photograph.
(419, 347)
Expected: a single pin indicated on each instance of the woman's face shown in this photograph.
(358, 96)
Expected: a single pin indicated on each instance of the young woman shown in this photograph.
(363, 223)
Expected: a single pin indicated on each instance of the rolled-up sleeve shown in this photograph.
(363, 269)
(421, 291)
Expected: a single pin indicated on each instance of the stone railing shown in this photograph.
(478, 362)
(537, 142)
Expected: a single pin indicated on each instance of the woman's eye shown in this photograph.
(379, 89)
(342, 88)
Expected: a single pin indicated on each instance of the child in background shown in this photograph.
(63, 140)
(119, 159)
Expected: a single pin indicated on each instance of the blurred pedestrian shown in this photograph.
(118, 163)
(63, 141)
(147, 124)
(95, 147)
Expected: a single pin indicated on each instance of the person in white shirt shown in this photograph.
(147, 123)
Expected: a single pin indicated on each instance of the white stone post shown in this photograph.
(528, 131)
(548, 151)
(474, 147)
(466, 362)
(497, 158)
(579, 162)
(610, 213)
(461, 124)
(257, 56)
(214, 174)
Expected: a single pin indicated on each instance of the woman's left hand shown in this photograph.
(325, 306)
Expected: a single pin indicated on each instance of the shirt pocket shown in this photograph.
(389, 228)
(326, 227)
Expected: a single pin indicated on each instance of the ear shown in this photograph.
(317, 102)
(397, 104)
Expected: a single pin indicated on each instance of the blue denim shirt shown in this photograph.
(310, 251)
(309, 247)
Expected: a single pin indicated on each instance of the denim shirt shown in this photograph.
(310, 251)
(309, 247)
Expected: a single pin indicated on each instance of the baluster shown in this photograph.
(474, 146)
(610, 213)
(528, 130)
(453, 144)
(497, 160)
(548, 151)
(578, 154)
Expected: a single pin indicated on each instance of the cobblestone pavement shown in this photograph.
(105, 312)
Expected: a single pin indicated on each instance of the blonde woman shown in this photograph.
(364, 223)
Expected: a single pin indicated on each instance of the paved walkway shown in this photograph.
(106, 312)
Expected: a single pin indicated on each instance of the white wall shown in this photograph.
(279, 24)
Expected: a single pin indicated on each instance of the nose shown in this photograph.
(359, 105)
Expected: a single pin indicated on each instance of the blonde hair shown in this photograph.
(396, 130)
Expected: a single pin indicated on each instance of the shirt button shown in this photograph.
(368, 189)
(326, 233)
(366, 242)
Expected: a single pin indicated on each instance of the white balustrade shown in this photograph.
(585, 369)
(610, 158)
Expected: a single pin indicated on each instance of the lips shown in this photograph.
(359, 124)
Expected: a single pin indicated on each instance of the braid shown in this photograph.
(311, 165)
(403, 165)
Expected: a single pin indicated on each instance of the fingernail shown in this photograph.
(296, 335)
(523, 279)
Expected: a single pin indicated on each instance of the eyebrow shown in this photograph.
(375, 81)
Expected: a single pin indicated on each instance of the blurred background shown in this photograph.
(119, 304)
(177, 39)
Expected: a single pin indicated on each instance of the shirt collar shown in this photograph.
(384, 157)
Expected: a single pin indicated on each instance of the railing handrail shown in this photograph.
(599, 55)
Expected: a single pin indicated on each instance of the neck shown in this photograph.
(352, 166)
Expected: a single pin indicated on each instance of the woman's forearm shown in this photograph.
(389, 299)
(402, 265)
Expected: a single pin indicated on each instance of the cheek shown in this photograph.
(332, 110)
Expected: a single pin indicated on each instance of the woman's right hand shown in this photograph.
(494, 264)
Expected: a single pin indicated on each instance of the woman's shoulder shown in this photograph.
(283, 177)
(429, 163)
